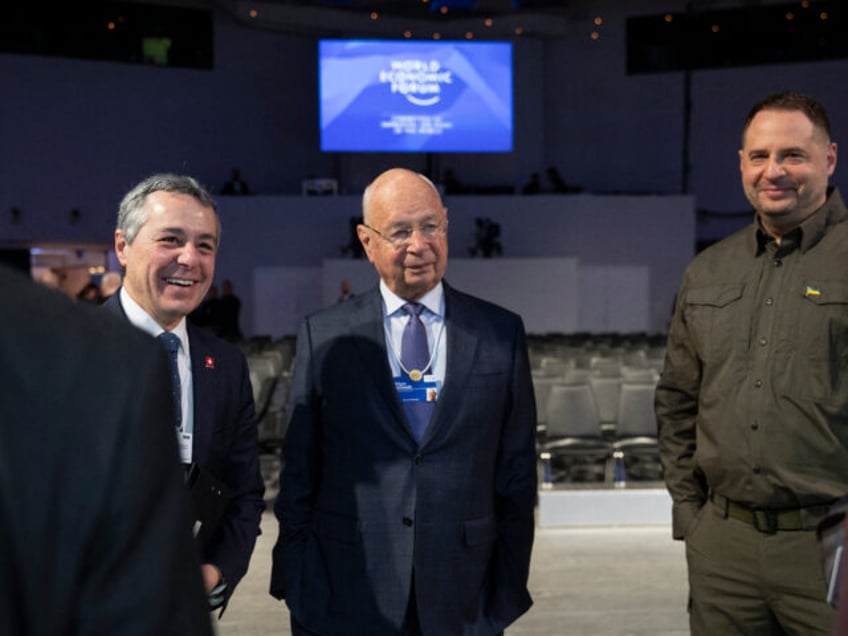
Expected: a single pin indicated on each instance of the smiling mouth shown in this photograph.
(180, 282)
(776, 191)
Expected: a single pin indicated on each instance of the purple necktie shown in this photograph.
(415, 356)
(414, 350)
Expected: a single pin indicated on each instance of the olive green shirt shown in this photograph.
(753, 399)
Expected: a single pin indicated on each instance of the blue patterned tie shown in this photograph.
(415, 354)
(172, 345)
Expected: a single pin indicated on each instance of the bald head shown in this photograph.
(389, 183)
(404, 231)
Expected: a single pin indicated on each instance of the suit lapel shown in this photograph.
(203, 379)
(462, 342)
(203, 376)
(113, 304)
(366, 325)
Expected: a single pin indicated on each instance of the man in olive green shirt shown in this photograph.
(752, 406)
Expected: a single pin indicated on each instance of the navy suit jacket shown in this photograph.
(225, 444)
(362, 505)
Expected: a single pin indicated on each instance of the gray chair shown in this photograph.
(542, 389)
(574, 437)
(266, 373)
(606, 389)
(636, 430)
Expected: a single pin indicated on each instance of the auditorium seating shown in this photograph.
(574, 437)
(270, 365)
(594, 395)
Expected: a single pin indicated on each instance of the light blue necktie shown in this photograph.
(172, 345)
(415, 354)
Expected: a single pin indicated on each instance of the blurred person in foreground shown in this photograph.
(94, 526)
(109, 284)
(409, 474)
(752, 405)
(166, 240)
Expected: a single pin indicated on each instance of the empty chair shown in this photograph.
(554, 366)
(574, 436)
(636, 430)
(606, 391)
(275, 359)
(542, 389)
(576, 376)
(607, 367)
(266, 371)
(255, 383)
(635, 358)
(639, 375)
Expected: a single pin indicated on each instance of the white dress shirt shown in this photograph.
(145, 322)
(433, 317)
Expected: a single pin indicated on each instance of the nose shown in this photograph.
(417, 241)
(187, 254)
(774, 169)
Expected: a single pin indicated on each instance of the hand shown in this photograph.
(211, 576)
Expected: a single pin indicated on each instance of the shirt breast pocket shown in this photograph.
(820, 366)
(714, 318)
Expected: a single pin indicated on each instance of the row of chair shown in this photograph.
(582, 430)
(589, 407)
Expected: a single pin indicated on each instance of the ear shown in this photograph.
(366, 238)
(831, 158)
(121, 247)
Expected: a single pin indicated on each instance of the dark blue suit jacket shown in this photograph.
(225, 444)
(362, 505)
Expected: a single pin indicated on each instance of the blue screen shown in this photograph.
(415, 96)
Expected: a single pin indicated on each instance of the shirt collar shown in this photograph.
(433, 300)
(144, 321)
(809, 231)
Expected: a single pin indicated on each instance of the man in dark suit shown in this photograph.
(166, 240)
(94, 526)
(407, 489)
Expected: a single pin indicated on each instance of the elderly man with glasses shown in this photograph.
(409, 479)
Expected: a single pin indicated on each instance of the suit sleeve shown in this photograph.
(234, 544)
(515, 496)
(300, 471)
(676, 404)
(144, 573)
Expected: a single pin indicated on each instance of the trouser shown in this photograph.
(746, 582)
(411, 626)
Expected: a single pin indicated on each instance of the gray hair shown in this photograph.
(132, 215)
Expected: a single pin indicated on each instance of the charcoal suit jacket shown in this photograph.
(225, 444)
(363, 508)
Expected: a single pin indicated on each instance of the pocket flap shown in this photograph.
(826, 292)
(715, 295)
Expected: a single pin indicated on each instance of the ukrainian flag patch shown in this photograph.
(812, 291)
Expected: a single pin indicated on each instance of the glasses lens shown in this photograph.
(402, 237)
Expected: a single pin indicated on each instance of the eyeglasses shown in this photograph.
(401, 237)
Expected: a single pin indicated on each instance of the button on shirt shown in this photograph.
(433, 317)
(141, 319)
